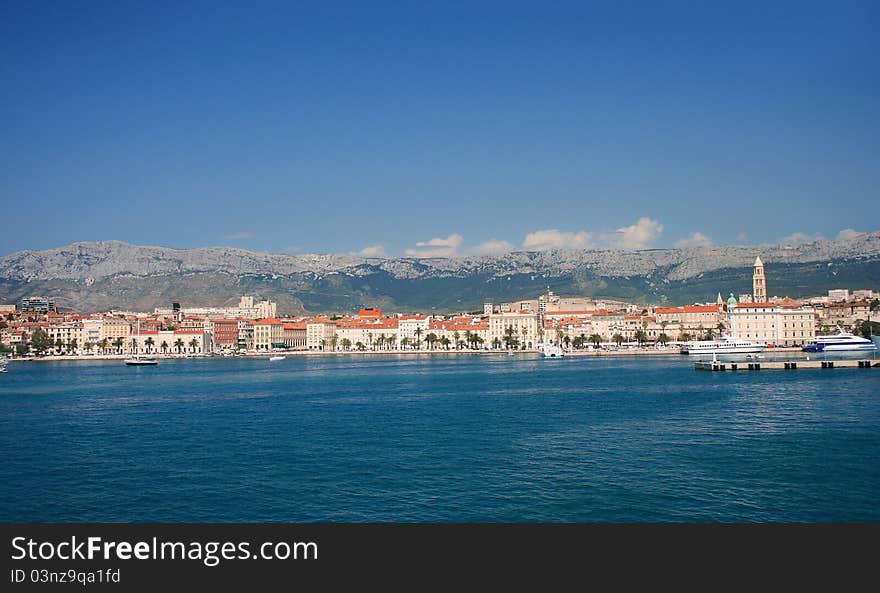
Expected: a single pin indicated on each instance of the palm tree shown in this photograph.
(469, 338)
(578, 342)
(445, 341)
(360, 346)
(720, 327)
(178, 344)
(88, 347)
(663, 338)
(404, 343)
(391, 339)
(496, 343)
(102, 345)
(596, 339)
(567, 341)
(149, 343)
(525, 332)
(457, 338)
(418, 336)
(193, 344)
(117, 343)
(509, 337)
(477, 341)
(59, 344)
(333, 340)
(71, 344)
(617, 339)
(323, 343)
(701, 331)
(559, 334)
(380, 341)
(541, 334)
(431, 339)
(370, 339)
(684, 337)
(164, 347)
(641, 337)
(345, 343)
(710, 334)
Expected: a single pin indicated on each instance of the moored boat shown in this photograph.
(725, 345)
(840, 342)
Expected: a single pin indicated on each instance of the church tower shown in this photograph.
(759, 287)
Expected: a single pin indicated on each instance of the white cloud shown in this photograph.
(492, 247)
(847, 234)
(799, 238)
(555, 239)
(696, 240)
(373, 251)
(642, 235)
(238, 236)
(437, 247)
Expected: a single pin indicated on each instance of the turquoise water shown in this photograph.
(437, 438)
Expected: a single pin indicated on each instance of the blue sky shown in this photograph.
(462, 127)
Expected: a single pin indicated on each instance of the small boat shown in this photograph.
(276, 358)
(551, 350)
(136, 360)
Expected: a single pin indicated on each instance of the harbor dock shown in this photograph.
(720, 365)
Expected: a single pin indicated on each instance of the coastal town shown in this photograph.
(36, 328)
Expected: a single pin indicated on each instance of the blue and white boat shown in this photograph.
(839, 342)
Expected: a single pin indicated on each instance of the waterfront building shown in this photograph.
(294, 334)
(759, 285)
(524, 326)
(92, 330)
(773, 324)
(115, 327)
(245, 334)
(462, 328)
(225, 333)
(319, 332)
(7, 310)
(838, 295)
(412, 328)
(268, 334)
(691, 316)
(374, 334)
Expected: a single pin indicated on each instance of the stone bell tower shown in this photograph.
(759, 286)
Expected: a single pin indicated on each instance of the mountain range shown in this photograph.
(105, 275)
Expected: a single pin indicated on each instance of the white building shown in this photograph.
(319, 333)
(523, 323)
(412, 328)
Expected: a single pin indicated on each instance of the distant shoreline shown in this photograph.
(574, 353)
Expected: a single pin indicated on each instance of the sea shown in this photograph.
(437, 438)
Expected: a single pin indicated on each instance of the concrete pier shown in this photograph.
(720, 365)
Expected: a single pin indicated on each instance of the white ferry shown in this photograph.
(725, 345)
(840, 342)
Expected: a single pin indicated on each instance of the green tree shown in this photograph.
(21, 349)
(617, 339)
(567, 341)
(418, 337)
(360, 346)
(496, 343)
(103, 344)
(641, 337)
(178, 343)
(334, 339)
(40, 341)
(469, 338)
(431, 339)
(457, 338)
(710, 333)
(578, 342)
(59, 344)
(149, 343)
(596, 339)
(193, 344)
(510, 340)
(88, 347)
(404, 343)
(445, 341)
(663, 338)
(391, 340)
(164, 347)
